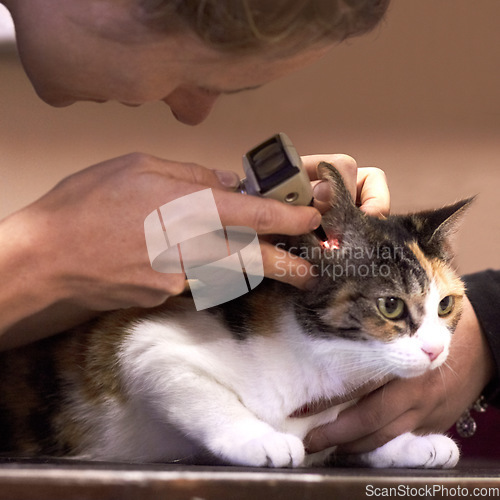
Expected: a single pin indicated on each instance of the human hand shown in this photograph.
(88, 231)
(368, 187)
(430, 403)
(82, 244)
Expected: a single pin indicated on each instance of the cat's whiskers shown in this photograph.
(449, 368)
(443, 378)
(346, 371)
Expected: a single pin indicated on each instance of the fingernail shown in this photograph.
(322, 192)
(228, 178)
(315, 221)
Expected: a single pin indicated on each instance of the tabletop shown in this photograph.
(67, 479)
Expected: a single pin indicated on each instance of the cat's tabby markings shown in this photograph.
(224, 385)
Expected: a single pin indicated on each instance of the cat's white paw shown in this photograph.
(271, 449)
(274, 450)
(408, 450)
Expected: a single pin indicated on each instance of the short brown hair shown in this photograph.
(240, 26)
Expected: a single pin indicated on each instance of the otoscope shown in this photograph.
(274, 170)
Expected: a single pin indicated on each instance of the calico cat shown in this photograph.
(223, 385)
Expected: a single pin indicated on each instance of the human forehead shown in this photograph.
(201, 64)
(229, 74)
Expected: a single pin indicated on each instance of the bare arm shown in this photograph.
(80, 249)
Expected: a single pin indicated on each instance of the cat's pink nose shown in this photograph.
(433, 351)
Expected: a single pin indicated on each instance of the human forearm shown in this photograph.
(483, 290)
(26, 287)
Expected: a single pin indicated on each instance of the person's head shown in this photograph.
(184, 52)
(278, 27)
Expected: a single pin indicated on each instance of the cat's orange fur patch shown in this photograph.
(264, 319)
(101, 356)
(381, 329)
(446, 280)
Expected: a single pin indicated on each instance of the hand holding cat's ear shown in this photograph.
(367, 185)
(285, 267)
(94, 221)
(372, 194)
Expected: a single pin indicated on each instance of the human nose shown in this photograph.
(191, 106)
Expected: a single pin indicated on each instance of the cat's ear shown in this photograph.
(436, 227)
(343, 210)
(335, 221)
(341, 199)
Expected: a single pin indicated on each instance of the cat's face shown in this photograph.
(386, 286)
(402, 320)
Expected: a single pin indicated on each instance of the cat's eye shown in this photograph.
(446, 306)
(392, 307)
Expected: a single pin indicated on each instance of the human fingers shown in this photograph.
(357, 393)
(376, 418)
(264, 215)
(350, 425)
(191, 173)
(400, 425)
(345, 164)
(420, 419)
(372, 194)
(318, 441)
(367, 185)
(286, 267)
(347, 167)
(402, 405)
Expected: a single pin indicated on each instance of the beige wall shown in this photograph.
(420, 98)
